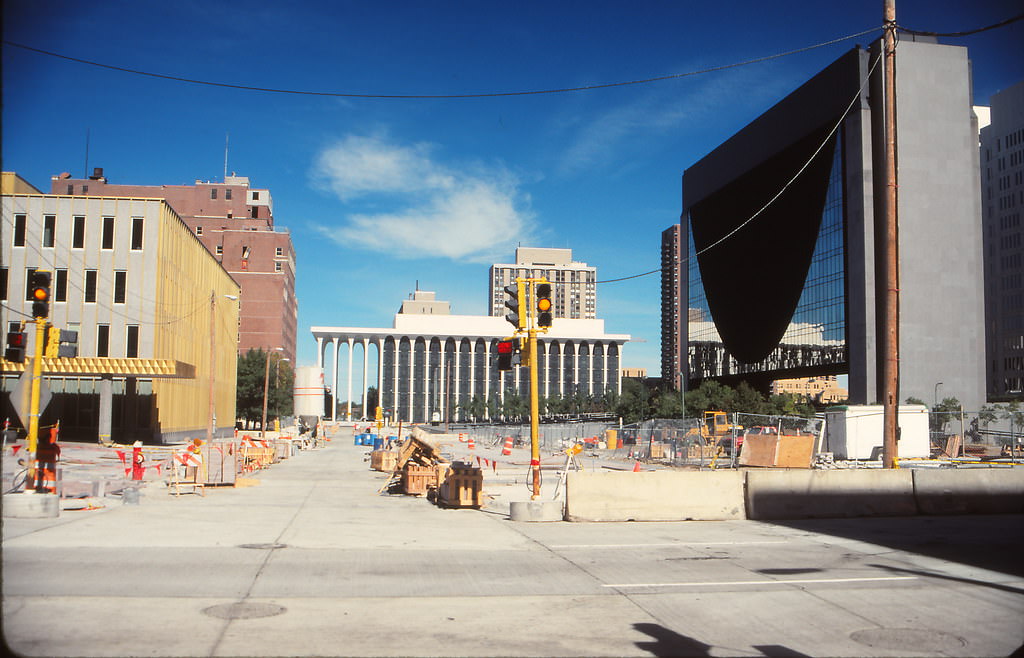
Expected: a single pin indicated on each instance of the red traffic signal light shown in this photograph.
(508, 353)
(40, 283)
(15, 350)
(543, 297)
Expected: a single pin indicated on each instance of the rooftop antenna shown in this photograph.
(226, 136)
(85, 174)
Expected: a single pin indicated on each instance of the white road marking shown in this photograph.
(802, 581)
(673, 543)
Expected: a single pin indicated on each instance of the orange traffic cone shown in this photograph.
(472, 445)
(507, 450)
(636, 467)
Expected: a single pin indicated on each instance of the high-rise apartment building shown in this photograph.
(671, 305)
(574, 285)
(235, 222)
(1002, 203)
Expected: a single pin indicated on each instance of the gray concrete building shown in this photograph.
(783, 222)
(1002, 192)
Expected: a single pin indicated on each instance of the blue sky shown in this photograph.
(380, 194)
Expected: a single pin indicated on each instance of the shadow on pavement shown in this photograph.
(669, 644)
(988, 542)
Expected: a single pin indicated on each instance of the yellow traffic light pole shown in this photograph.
(33, 404)
(527, 306)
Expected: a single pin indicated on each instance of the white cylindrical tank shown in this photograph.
(309, 391)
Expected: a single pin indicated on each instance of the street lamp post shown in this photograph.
(266, 381)
(937, 385)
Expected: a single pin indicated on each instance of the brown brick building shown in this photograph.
(235, 223)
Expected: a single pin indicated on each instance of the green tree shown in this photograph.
(280, 389)
(748, 400)
(249, 391)
(709, 396)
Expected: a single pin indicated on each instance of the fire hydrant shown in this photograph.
(138, 459)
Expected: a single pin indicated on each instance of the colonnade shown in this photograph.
(419, 376)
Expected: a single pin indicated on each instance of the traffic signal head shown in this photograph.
(543, 299)
(15, 350)
(40, 284)
(508, 353)
(515, 305)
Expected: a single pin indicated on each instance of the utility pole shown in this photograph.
(891, 367)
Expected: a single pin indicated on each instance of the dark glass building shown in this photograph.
(781, 222)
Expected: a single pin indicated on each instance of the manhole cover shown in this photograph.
(264, 546)
(244, 610)
(908, 639)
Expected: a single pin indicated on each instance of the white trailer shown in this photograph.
(855, 432)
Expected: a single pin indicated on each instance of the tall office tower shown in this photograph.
(574, 284)
(671, 304)
(1002, 202)
(235, 223)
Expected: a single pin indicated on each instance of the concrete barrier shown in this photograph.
(31, 505)
(805, 494)
(654, 496)
(969, 490)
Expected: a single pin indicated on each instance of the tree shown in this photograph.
(280, 389)
(249, 392)
(709, 396)
(371, 403)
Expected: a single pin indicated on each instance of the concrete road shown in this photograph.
(313, 562)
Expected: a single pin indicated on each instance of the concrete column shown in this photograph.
(369, 413)
(576, 367)
(320, 352)
(561, 369)
(334, 379)
(106, 408)
(380, 370)
(590, 368)
(348, 389)
(412, 378)
(545, 371)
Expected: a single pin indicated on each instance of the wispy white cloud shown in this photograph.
(473, 212)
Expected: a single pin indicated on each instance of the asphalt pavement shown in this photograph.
(310, 560)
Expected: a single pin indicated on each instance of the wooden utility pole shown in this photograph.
(891, 365)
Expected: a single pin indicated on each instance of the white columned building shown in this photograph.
(431, 365)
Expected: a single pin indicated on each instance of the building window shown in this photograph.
(107, 241)
(255, 212)
(137, 225)
(120, 283)
(132, 342)
(199, 230)
(85, 189)
(49, 225)
(103, 340)
(90, 286)
(3, 284)
(280, 251)
(71, 189)
(227, 194)
(60, 286)
(213, 193)
(78, 233)
(277, 266)
(29, 271)
(19, 230)
(255, 196)
(220, 250)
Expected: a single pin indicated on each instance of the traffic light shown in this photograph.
(15, 350)
(40, 283)
(61, 343)
(515, 304)
(542, 294)
(508, 353)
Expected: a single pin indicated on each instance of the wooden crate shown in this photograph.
(383, 460)
(416, 480)
(657, 451)
(463, 487)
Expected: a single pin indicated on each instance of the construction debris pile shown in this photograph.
(418, 468)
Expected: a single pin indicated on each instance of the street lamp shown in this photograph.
(937, 385)
(266, 380)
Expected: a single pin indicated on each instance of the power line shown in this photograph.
(534, 92)
(922, 33)
(785, 187)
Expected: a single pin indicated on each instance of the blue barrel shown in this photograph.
(378, 443)
(358, 439)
